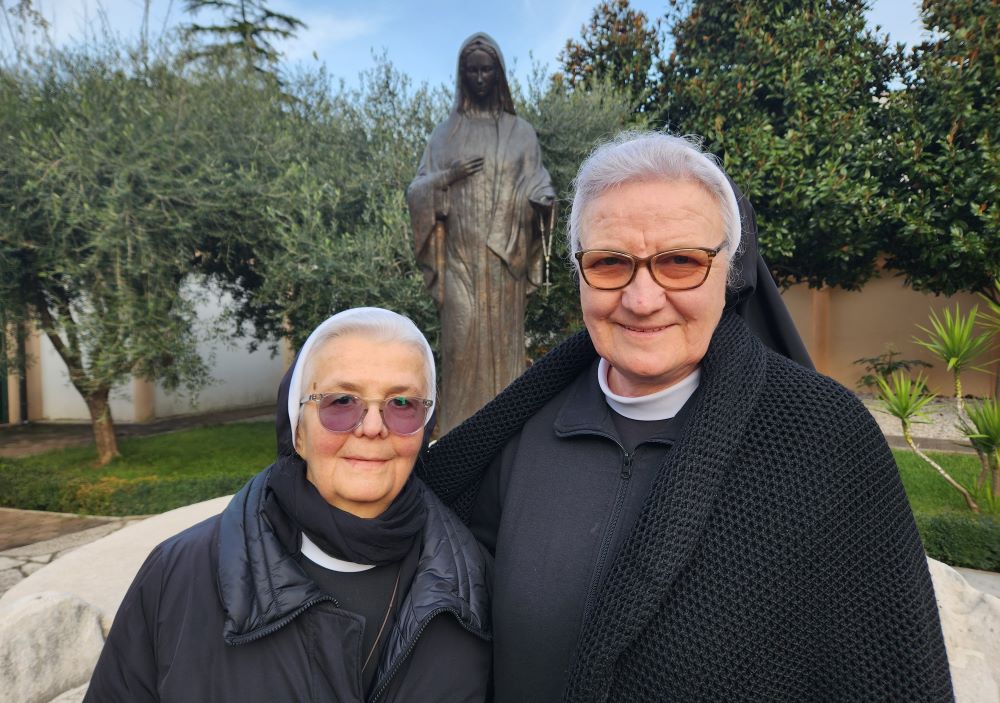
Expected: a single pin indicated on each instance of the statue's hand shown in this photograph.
(464, 169)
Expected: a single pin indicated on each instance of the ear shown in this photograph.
(298, 438)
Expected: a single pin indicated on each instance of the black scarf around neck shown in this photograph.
(382, 540)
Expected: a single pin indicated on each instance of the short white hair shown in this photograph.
(634, 156)
(377, 324)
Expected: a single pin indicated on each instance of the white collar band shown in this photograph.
(312, 552)
(661, 405)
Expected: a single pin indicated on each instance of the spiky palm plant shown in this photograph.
(983, 430)
(954, 341)
(905, 399)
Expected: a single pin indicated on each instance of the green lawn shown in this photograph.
(154, 474)
(928, 492)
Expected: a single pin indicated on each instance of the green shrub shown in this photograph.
(961, 539)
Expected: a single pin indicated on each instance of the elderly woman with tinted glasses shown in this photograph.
(677, 511)
(333, 575)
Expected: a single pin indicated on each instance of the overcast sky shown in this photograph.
(419, 37)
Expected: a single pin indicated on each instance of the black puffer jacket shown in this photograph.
(223, 612)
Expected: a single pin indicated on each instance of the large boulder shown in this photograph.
(73, 696)
(49, 643)
(970, 620)
(100, 572)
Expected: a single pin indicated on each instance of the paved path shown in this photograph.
(19, 562)
(21, 527)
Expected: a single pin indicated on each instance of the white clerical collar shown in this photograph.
(312, 552)
(661, 405)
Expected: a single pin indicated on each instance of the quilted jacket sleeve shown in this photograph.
(126, 670)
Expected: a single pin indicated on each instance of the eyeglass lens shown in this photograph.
(344, 412)
(681, 268)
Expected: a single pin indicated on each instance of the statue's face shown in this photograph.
(479, 74)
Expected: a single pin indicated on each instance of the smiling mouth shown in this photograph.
(644, 330)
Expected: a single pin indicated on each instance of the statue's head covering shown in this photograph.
(483, 41)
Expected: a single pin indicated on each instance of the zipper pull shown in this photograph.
(627, 466)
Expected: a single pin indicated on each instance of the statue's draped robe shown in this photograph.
(485, 255)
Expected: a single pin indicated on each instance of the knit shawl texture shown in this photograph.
(776, 557)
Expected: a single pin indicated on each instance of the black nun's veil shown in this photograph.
(755, 298)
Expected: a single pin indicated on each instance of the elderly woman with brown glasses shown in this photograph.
(333, 575)
(677, 511)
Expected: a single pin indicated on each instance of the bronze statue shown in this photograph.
(478, 207)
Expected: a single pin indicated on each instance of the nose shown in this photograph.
(643, 296)
(372, 425)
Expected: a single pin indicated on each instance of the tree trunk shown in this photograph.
(959, 400)
(984, 473)
(104, 428)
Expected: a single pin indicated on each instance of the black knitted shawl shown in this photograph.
(775, 557)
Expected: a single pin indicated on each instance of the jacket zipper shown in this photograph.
(609, 531)
(274, 627)
(413, 643)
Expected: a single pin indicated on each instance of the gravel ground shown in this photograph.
(940, 421)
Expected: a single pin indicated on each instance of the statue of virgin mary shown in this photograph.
(477, 208)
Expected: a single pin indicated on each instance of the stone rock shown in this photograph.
(74, 696)
(9, 577)
(49, 643)
(31, 567)
(970, 620)
(8, 563)
(100, 572)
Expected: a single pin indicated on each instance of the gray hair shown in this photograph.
(376, 324)
(653, 156)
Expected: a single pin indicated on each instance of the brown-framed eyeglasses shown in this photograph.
(673, 269)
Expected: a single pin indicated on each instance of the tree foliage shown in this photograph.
(791, 96)
(337, 234)
(620, 46)
(102, 190)
(246, 28)
(947, 151)
(569, 124)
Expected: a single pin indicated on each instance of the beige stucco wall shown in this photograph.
(839, 326)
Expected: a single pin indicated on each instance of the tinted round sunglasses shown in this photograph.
(343, 412)
(674, 269)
